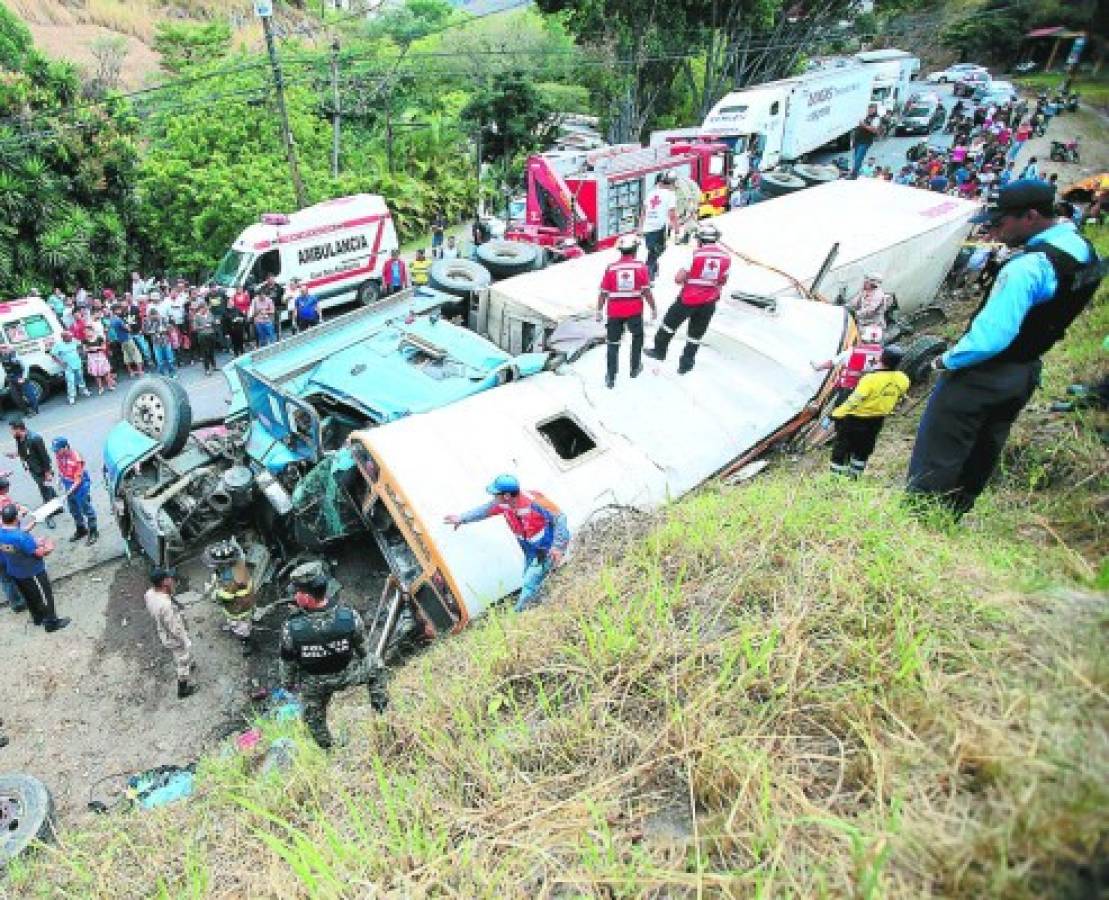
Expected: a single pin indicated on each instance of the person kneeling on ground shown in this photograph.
(859, 419)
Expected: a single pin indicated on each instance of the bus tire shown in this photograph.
(458, 277)
(504, 259)
(917, 361)
(778, 184)
(813, 175)
(26, 815)
(369, 292)
(160, 409)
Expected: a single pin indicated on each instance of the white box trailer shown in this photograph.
(783, 120)
(911, 236)
(894, 71)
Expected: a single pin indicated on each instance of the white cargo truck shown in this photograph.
(894, 71)
(783, 120)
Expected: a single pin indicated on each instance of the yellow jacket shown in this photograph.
(419, 269)
(875, 396)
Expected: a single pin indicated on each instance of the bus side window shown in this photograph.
(15, 333)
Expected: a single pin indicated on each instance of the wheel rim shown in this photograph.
(10, 809)
(148, 414)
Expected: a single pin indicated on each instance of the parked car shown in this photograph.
(276, 462)
(969, 82)
(996, 93)
(953, 73)
(922, 115)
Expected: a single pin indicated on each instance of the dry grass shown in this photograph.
(131, 17)
(787, 689)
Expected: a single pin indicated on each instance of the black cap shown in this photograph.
(310, 578)
(1017, 197)
(160, 574)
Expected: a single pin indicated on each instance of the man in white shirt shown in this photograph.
(660, 212)
(450, 249)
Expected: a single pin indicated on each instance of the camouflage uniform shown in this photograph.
(325, 651)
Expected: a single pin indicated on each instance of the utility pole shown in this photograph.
(389, 127)
(264, 10)
(336, 112)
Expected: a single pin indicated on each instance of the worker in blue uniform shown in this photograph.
(990, 374)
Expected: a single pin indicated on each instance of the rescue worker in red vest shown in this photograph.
(539, 526)
(701, 284)
(855, 361)
(625, 286)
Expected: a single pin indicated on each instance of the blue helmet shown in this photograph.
(59, 443)
(504, 484)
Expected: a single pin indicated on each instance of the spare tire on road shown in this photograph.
(507, 258)
(160, 409)
(812, 175)
(917, 361)
(26, 815)
(778, 184)
(460, 277)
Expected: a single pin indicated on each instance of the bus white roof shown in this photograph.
(868, 56)
(657, 436)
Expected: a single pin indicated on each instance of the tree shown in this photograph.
(510, 114)
(184, 44)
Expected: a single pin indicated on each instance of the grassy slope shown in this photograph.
(787, 688)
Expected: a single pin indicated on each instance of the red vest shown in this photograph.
(707, 275)
(864, 358)
(624, 283)
(524, 519)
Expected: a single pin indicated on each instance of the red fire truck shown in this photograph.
(594, 197)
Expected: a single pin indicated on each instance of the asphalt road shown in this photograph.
(891, 150)
(86, 424)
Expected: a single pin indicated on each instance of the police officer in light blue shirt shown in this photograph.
(990, 374)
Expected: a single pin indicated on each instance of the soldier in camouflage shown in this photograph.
(324, 650)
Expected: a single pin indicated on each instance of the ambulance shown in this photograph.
(337, 249)
(30, 327)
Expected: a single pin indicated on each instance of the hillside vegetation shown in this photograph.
(788, 688)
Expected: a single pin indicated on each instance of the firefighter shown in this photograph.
(539, 526)
(624, 288)
(856, 362)
(701, 284)
(860, 417)
(419, 268)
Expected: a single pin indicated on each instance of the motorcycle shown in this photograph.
(1072, 103)
(917, 151)
(1064, 151)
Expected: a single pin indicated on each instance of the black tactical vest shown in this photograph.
(1046, 322)
(323, 642)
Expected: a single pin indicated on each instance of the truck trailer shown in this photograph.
(781, 121)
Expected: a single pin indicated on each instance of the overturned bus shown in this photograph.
(656, 437)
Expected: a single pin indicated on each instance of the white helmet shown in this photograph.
(872, 334)
(876, 277)
(627, 243)
(707, 233)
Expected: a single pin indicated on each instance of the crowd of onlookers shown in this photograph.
(159, 326)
